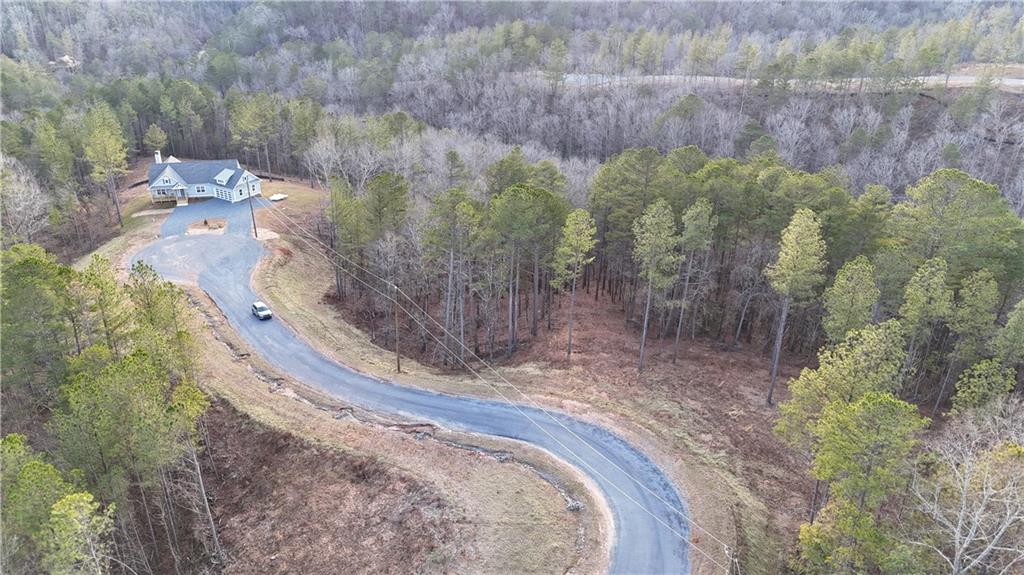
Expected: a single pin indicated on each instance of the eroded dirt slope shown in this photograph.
(285, 505)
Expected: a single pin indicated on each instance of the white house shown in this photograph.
(177, 181)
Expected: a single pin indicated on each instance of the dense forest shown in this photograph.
(762, 176)
(102, 421)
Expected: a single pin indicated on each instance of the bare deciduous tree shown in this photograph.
(24, 204)
(969, 496)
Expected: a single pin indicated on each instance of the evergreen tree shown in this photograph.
(529, 219)
(108, 304)
(868, 360)
(454, 221)
(973, 316)
(30, 486)
(863, 451)
(155, 138)
(926, 303)
(1008, 343)
(508, 171)
(349, 230)
(35, 336)
(54, 154)
(981, 383)
(698, 225)
(106, 150)
(571, 256)
(795, 274)
(456, 171)
(79, 535)
(964, 221)
(655, 252)
(387, 202)
(850, 300)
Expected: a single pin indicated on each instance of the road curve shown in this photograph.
(651, 537)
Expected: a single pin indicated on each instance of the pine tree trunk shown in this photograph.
(739, 323)
(814, 501)
(218, 550)
(572, 308)
(778, 346)
(643, 335)
(449, 303)
(682, 308)
(534, 303)
(111, 185)
(511, 305)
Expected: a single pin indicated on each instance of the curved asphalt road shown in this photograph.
(222, 264)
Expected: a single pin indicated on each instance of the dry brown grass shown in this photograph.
(703, 420)
(508, 518)
(343, 513)
(505, 516)
(294, 280)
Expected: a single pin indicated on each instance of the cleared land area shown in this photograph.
(498, 506)
(304, 484)
(740, 483)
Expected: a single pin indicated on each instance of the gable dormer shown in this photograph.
(223, 177)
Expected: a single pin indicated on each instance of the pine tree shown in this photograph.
(54, 153)
(78, 538)
(655, 252)
(927, 301)
(456, 171)
(571, 256)
(850, 300)
(106, 150)
(973, 316)
(529, 219)
(698, 225)
(863, 451)
(869, 359)
(1008, 343)
(454, 220)
(386, 201)
(508, 171)
(108, 304)
(981, 383)
(349, 230)
(29, 487)
(155, 138)
(795, 274)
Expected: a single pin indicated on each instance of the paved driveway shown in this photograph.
(650, 536)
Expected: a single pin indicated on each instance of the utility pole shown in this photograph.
(394, 311)
(252, 212)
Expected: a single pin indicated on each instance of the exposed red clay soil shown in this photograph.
(284, 505)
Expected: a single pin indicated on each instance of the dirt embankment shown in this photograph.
(490, 506)
(285, 505)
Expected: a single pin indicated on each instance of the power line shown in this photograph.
(295, 226)
(524, 414)
(305, 238)
(445, 331)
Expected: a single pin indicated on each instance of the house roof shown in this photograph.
(199, 171)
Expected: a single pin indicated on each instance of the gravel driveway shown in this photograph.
(650, 535)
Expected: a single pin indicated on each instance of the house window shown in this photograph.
(167, 180)
(200, 189)
(239, 191)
